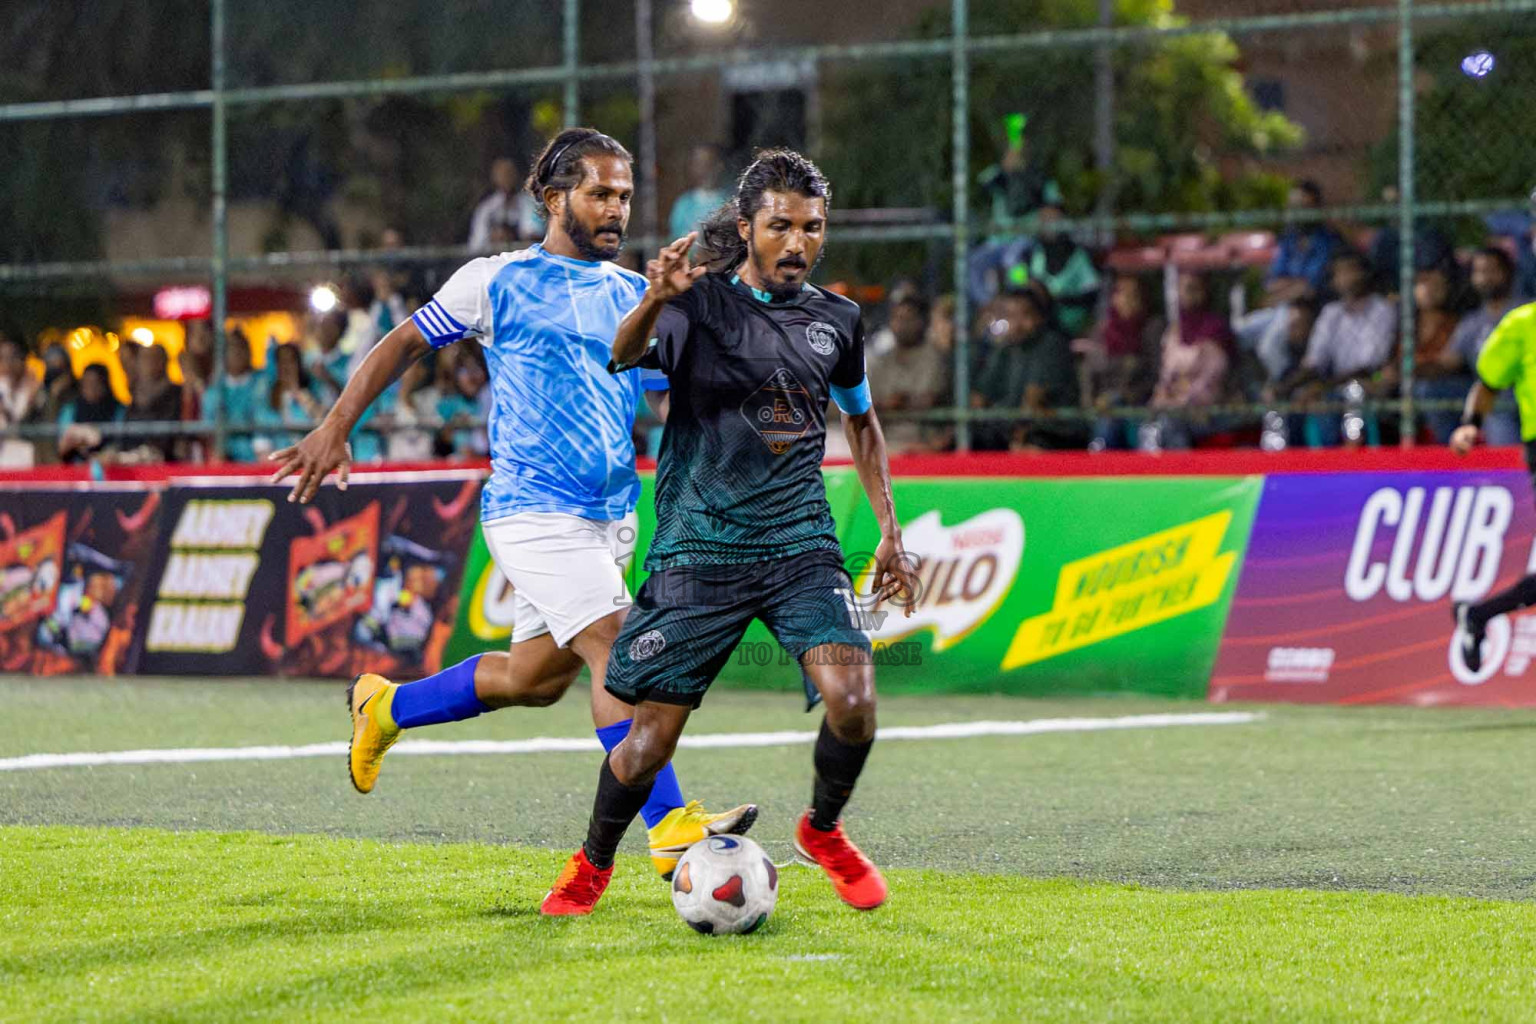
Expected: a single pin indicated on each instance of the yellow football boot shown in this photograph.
(689, 824)
(373, 728)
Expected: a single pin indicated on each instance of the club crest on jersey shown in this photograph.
(780, 411)
(822, 337)
(647, 645)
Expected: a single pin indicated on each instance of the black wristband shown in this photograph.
(1473, 419)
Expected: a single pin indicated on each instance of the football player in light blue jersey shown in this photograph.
(558, 510)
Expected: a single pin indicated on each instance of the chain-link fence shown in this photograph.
(1082, 223)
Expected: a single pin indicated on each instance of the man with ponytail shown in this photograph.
(558, 510)
(752, 352)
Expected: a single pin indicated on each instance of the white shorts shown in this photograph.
(566, 572)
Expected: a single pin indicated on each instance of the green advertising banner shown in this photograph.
(1029, 586)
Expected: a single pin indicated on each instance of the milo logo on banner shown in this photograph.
(964, 572)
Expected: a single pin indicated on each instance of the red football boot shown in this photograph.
(578, 888)
(855, 879)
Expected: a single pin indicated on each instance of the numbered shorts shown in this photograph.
(566, 571)
(686, 622)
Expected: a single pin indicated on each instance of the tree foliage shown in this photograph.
(1186, 129)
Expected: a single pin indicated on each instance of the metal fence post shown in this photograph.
(219, 166)
(571, 52)
(1405, 210)
(644, 54)
(962, 216)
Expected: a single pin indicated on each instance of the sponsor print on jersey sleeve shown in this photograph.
(457, 311)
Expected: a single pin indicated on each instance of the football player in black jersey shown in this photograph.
(753, 351)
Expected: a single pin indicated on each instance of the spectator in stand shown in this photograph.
(1027, 367)
(58, 390)
(1066, 270)
(1122, 357)
(1017, 185)
(1298, 335)
(704, 194)
(1493, 278)
(912, 376)
(58, 383)
(406, 278)
(154, 400)
(19, 396)
(18, 388)
(128, 353)
(80, 421)
(238, 395)
(1194, 360)
(1431, 249)
(1519, 227)
(1352, 342)
(466, 404)
(1300, 269)
(405, 439)
(292, 398)
(941, 327)
(328, 362)
(506, 206)
(1438, 371)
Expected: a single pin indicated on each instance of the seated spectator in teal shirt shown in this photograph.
(469, 400)
(237, 396)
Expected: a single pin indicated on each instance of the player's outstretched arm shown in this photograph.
(325, 448)
(669, 275)
(1479, 404)
(895, 570)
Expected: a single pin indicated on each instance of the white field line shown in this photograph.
(555, 745)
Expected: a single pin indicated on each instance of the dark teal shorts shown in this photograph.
(686, 622)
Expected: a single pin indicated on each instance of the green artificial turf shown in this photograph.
(138, 925)
(1311, 865)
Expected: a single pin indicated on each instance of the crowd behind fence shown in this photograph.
(1042, 309)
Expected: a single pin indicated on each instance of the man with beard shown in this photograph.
(558, 510)
(743, 530)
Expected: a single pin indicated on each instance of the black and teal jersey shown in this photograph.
(739, 478)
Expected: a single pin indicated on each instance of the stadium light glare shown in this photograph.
(712, 12)
(142, 335)
(322, 299)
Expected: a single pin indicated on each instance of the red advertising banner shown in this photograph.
(1346, 590)
(72, 563)
(330, 575)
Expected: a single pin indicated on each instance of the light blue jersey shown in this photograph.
(560, 424)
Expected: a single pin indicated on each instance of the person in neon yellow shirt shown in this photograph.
(1507, 361)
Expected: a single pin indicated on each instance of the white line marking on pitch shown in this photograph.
(555, 745)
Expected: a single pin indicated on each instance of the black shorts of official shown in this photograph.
(1530, 461)
(686, 621)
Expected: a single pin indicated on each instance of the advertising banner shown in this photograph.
(1347, 590)
(1027, 585)
(1051, 586)
(72, 566)
(362, 580)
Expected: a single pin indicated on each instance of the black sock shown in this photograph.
(838, 765)
(615, 807)
(1521, 595)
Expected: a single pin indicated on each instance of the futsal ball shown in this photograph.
(725, 885)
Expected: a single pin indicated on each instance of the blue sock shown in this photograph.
(448, 696)
(666, 794)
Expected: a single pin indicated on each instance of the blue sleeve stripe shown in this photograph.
(435, 335)
(437, 308)
(854, 400)
(654, 380)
